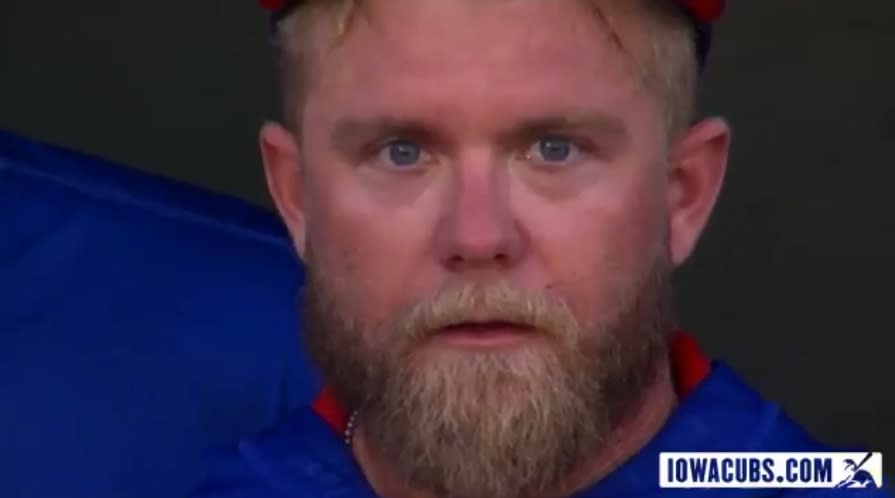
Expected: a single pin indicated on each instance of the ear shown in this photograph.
(283, 172)
(696, 174)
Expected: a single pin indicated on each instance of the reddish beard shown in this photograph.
(490, 424)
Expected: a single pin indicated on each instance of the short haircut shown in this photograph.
(663, 53)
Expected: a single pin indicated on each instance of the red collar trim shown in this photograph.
(330, 410)
(689, 364)
(689, 367)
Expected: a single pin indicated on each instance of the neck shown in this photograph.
(646, 417)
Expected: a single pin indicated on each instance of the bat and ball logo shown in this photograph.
(856, 475)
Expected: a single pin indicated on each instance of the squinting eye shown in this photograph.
(552, 150)
(402, 153)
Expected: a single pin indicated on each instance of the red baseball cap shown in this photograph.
(704, 13)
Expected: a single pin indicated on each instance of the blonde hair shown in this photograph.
(664, 59)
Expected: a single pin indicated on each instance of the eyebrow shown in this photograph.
(349, 133)
(602, 125)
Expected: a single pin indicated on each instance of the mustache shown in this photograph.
(478, 303)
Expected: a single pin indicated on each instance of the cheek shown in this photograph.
(374, 252)
(594, 246)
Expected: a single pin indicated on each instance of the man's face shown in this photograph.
(482, 204)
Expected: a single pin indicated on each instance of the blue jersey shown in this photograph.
(307, 458)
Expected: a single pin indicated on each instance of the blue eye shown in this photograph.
(402, 153)
(552, 150)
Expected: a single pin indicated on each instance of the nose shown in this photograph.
(478, 229)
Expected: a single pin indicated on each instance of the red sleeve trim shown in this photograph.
(689, 367)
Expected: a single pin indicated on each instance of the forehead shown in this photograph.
(473, 60)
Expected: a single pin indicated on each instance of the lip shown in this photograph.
(484, 335)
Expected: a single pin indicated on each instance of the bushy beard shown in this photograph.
(489, 424)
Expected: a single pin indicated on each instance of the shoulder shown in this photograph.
(303, 457)
(228, 474)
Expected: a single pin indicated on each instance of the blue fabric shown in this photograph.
(141, 322)
(305, 458)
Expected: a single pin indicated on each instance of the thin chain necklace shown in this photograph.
(350, 427)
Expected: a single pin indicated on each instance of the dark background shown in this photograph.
(792, 282)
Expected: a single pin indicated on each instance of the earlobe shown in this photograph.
(282, 171)
(697, 170)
